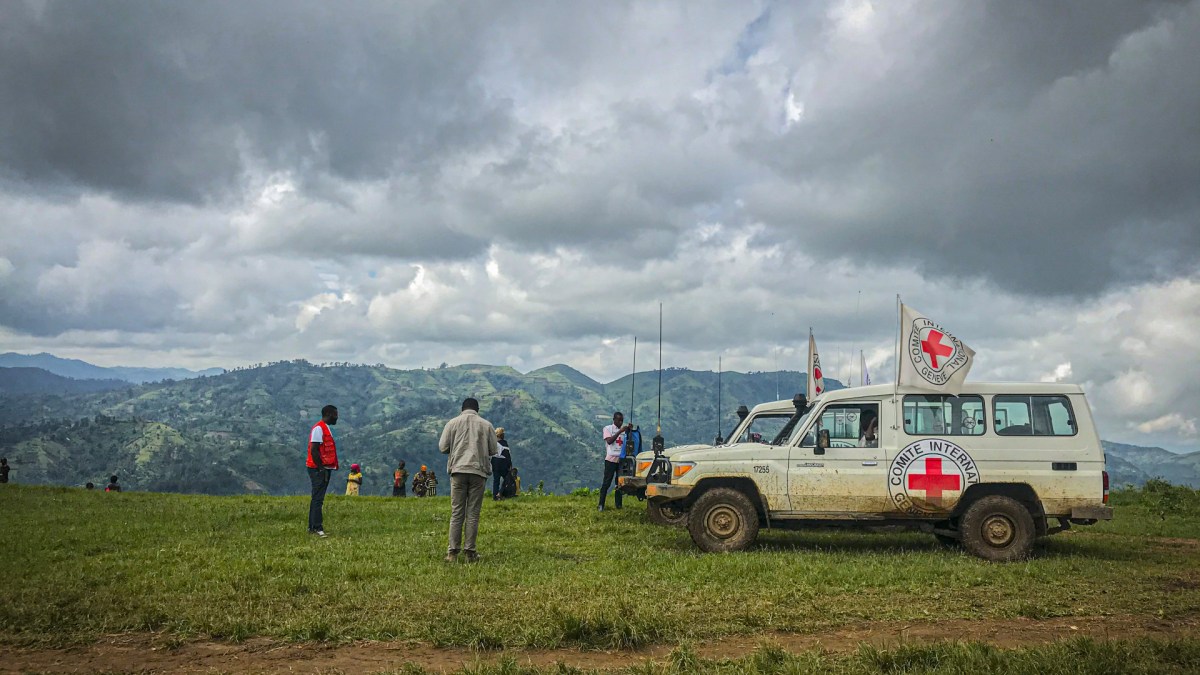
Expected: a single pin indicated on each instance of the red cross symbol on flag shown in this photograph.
(932, 345)
(933, 481)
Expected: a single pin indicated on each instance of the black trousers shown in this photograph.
(398, 491)
(610, 475)
(320, 483)
(499, 471)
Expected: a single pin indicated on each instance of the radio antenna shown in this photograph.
(719, 439)
(658, 426)
(633, 380)
(658, 442)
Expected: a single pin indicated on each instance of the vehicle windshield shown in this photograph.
(765, 428)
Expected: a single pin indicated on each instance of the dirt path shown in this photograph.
(150, 653)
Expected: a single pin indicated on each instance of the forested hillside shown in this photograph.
(245, 430)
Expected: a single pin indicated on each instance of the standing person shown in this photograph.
(431, 485)
(470, 442)
(614, 442)
(419, 481)
(4, 469)
(322, 460)
(112, 485)
(501, 463)
(399, 481)
(353, 481)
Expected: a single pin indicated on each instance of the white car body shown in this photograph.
(932, 457)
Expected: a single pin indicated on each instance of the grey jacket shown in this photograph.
(470, 441)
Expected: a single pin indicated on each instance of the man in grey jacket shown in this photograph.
(471, 442)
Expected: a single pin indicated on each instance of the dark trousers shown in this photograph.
(499, 471)
(320, 483)
(610, 475)
(398, 491)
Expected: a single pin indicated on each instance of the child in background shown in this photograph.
(431, 485)
(419, 482)
(512, 484)
(112, 485)
(354, 480)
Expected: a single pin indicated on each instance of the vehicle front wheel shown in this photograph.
(723, 519)
(997, 528)
(667, 514)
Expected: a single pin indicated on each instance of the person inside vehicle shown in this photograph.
(869, 436)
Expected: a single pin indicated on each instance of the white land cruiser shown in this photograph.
(770, 422)
(992, 468)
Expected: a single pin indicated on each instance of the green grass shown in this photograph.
(1063, 658)
(555, 573)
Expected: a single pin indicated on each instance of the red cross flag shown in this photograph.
(816, 380)
(931, 358)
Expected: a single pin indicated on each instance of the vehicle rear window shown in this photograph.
(941, 415)
(1020, 415)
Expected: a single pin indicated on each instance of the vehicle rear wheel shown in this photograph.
(723, 519)
(997, 528)
(667, 514)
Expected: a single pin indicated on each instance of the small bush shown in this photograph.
(1165, 499)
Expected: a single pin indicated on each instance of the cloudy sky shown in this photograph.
(224, 183)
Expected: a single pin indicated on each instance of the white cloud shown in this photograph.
(524, 184)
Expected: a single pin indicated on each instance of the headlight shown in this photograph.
(679, 469)
(643, 467)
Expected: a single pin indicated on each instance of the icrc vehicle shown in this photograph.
(992, 468)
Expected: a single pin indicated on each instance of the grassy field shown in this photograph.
(1068, 657)
(78, 565)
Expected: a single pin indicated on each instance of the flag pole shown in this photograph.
(899, 334)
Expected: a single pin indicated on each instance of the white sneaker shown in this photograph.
(319, 533)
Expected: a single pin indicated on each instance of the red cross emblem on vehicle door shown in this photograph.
(933, 481)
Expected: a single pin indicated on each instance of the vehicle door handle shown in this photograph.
(870, 463)
(1064, 466)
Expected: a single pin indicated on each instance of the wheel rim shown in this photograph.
(723, 521)
(999, 530)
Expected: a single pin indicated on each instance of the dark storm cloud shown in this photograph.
(178, 101)
(1051, 148)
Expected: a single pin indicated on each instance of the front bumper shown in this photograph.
(631, 483)
(667, 492)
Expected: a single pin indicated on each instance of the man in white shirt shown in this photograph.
(614, 443)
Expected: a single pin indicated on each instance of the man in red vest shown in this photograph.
(322, 459)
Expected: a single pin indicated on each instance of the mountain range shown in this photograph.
(82, 370)
(245, 430)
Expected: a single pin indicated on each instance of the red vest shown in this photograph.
(328, 448)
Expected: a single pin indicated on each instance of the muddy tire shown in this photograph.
(723, 519)
(997, 528)
(667, 514)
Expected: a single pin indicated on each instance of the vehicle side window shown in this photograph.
(1020, 415)
(940, 415)
(850, 425)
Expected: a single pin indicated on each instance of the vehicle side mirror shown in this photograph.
(822, 442)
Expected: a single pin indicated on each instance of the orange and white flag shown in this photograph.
(816, 380)
(930, 357)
